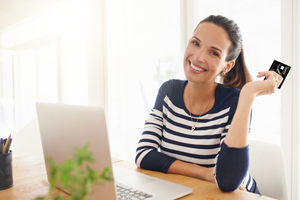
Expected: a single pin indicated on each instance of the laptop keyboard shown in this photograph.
(125, 193)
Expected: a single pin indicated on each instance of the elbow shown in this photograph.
(227, 186)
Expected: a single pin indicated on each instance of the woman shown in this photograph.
(201, 126)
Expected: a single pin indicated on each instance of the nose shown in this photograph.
(200, 55)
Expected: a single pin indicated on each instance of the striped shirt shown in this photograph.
(167, 134)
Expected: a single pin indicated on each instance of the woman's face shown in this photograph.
(206, 52)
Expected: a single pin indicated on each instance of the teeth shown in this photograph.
(196, 68)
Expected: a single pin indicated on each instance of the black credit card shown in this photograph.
(281, 69)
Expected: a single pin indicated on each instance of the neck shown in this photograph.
(201, 92)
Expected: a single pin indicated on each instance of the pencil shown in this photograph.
(9, 137)
(1, 146)
(8, 146)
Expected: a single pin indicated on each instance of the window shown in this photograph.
(7, 97)
(51, 64)
(143, 52)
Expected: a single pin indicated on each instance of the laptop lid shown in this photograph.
(64, 128)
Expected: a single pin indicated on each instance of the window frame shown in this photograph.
(290, 94)
(290, 123)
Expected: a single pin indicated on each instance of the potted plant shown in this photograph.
(74, 177)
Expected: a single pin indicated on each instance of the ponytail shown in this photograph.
(239, 75)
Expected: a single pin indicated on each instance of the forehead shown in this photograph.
(213, 35)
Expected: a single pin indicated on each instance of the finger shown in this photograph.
(260, 74)
(271, 76)
(241, 187)
(278, 81)
(279, 78)
(267, 74)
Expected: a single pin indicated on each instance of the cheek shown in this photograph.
(189, 50)
(215, 65)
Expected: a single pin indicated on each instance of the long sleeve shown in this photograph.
(147, 154)
(232, 164)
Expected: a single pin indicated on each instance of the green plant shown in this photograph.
(76, 179)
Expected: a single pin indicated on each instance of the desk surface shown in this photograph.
(30, 181)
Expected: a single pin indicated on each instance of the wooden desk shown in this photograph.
(30, 181)
(201, 189)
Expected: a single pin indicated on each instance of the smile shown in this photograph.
(196, 68)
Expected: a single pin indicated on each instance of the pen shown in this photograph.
(8, 145)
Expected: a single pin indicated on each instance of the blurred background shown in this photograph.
(117, 53)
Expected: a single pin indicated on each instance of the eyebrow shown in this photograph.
(211, 46)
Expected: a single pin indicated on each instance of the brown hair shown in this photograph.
(239, 75)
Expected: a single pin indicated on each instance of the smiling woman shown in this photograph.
(232, 48)
(198, 127)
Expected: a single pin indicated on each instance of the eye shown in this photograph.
(195, 43)
(215, 53)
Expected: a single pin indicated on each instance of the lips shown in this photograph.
(196, 69)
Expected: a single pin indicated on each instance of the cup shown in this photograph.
(6, 177)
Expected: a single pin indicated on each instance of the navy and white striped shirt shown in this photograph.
(167, 132)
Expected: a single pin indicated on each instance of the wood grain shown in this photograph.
(201, 189)
(30, 181)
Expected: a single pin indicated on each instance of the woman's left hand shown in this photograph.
(242, 187)
(263, 87)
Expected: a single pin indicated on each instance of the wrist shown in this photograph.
(207, 175)
(248, 93)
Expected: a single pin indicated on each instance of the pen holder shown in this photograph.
(6, 177)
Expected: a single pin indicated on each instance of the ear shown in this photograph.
(229, 65)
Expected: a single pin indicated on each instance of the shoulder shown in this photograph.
(173, 89)
(228, 92)
(172, 85)
(227, 97)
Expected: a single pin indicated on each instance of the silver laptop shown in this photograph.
(64, 128)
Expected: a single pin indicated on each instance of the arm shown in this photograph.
(192, 170)
(147, 156)
(233, 159)
(237, 134)
(238, 131)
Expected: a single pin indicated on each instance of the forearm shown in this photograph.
(238, 131)
(192, 170)
(156, 161)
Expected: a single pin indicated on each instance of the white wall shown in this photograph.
(13, 11)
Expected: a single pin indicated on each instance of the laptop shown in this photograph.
(64, 128)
